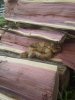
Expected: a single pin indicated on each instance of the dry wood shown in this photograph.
(5, 97)
(10, 49)
(28, 62)
(31, 79)
(19, 32)
(70, 22)
(50, 35)
(56, 60)
(57, 26)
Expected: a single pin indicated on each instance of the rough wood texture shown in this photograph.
(8, 93)
(32, 79)
(68, 54)
(33, 35)
(47, 34)
(12, 48)
(35, 48)
(20, 40)
(64, 77)
(48, 14)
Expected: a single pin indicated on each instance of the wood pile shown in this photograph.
(37, 48)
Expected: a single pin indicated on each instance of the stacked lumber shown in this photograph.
(34, 51)
(38, 43)
(57, 15)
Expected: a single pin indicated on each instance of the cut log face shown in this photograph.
(68, 54)
(46, 14)
(34, 80)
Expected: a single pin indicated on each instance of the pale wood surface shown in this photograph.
(10, 48)
(52, 35)
(28, 62)
(57, 26)
(5, 97)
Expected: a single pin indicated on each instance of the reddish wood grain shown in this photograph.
(36, 35)
(42, 12)
(34, 83)
(68, 54)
